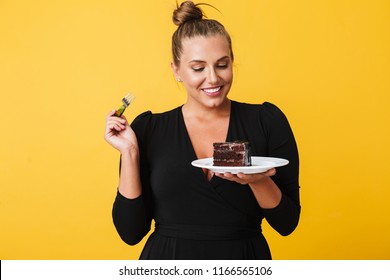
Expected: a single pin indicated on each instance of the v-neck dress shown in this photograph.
(200, 219)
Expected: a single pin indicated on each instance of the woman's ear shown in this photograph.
(175, 70)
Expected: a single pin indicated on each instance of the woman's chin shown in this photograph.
(216, 102)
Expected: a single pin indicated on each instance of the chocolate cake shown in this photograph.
(237, 153)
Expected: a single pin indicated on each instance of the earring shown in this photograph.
(179, 80)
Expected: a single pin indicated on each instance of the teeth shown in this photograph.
(212, 90)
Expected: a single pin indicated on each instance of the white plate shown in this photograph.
(259, 165)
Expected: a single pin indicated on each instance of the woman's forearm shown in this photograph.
(267, 193)
(129, 180)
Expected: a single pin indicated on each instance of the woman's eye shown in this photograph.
(219, 66)
(222, 66)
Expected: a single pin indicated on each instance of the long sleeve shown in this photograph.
(281, 143)
(132, 217)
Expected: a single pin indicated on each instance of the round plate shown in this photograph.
(259, 165)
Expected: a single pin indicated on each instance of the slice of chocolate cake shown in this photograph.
(237, 153)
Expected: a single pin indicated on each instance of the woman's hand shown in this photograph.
(251, 179)
(267, 193)
(119, 134)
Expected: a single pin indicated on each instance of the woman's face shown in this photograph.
(205, 70)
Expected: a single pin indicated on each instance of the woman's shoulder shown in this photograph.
(148, 119)
(271, 111)
(149, 115)
(265, 109)
(267, 114)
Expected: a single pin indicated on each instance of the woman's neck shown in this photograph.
(195, 110)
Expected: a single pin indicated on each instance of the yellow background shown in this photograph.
(65, 64)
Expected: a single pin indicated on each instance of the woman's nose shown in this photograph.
(213, 76)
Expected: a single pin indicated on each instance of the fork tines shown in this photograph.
(128, 99)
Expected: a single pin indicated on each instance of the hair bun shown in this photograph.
(187, 11)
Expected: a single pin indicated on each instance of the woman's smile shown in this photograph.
(212, 91)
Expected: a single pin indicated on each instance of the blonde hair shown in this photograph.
(191, 22)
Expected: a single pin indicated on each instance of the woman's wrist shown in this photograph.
(263, 183)
(267, 193)
(131, 153)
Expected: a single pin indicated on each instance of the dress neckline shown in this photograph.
(193, 155)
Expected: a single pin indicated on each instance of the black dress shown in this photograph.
(200, 219)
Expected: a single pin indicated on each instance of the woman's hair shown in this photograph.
(191, 22)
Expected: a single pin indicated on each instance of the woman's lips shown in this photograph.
(212, 91)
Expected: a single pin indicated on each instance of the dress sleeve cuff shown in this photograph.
(277, 208)
(123, 199)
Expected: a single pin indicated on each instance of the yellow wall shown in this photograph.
(65, 64)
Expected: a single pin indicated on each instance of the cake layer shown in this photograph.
(232, 155)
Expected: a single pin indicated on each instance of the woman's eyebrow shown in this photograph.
(202, 61)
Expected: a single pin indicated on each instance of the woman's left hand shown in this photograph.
(244, 179)
(267, 193)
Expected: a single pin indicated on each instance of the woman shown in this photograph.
(198, 214)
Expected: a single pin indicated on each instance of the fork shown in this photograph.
(127, 100)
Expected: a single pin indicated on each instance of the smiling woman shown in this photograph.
(325, 63)
(206, 71)
(200, 214)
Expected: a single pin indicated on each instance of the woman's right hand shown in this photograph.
(119, 134)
